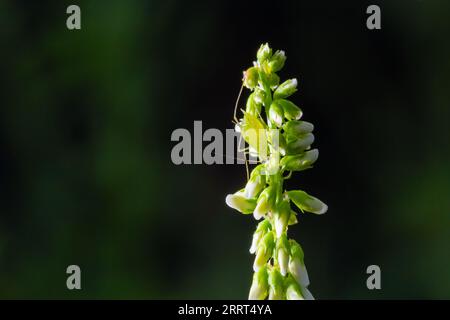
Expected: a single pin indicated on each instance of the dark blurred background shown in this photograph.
(86, 117)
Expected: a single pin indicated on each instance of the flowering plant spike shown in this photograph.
(272, 128)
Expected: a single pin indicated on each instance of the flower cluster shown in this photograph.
(275, 134)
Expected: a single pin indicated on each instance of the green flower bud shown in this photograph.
(252, 107)
(281, 217)
(293, 218)
(239, 202)
(261, 231)
(297, 128)
(299, 144)
(283, 145)
(273, 80)
(265, 202)
(283, 252)
(308, 203)
(276, 285)
(276, 63)
(299, 162)
(276, 114)
(296, 250)
(293, 291)
(285, 89)
(257, 171)
(259, 96)
(264, 252)
(264, 53)
(260, 285)
(251, 77)
(291, 111)
(255, 185)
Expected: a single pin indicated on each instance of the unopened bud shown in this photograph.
(273, 80)
(259, 96)
(283, 145)
(283, 252)
(297, 266)
(281, 217)
(299, 144)
(297, 128)
(257, 171)
(296, 250)
(251, 78)
(264, 53)
(285, 89)
(264, 203)
(293, 291)
(261, 231)
(276, 114)
(299, 162)
(291, 111)
(276, 285)
(276, 63)
(264, 252)
(306, 202)
(299, 272)
(254, 186)
(293, 218)
(252, 107)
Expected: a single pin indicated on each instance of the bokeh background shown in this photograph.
(86, 117)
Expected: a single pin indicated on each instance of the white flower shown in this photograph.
(260, 285)
(301, 161)
(264, 251)
(307, 294)
(261, 231)
(316, 206)
(298, 270)
(307, 202)
(255, 240)
(239, 202)
(301, 143)
(276, 114)
(256, 292)
(258, 213)
(263, 205)
(293, 293)
(281, 217)
(283, 261)
(254, 186)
